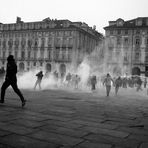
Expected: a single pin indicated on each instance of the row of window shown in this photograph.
(37, 34)
(35, 25)
(126, 41)
(56, 54)
(126, 32)
(35, 42)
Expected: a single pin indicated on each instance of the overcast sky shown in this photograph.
(92, 12)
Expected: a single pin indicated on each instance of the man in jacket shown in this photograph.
(11, 79)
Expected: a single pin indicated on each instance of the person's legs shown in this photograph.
(108, 88)
(35, 84)
(116, 89)
(107, 91)
(39, 82)
(3, 89)
(17, 91)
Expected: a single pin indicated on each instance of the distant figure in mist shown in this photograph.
(145, 82)
(93, 83)
(39, 80)
(107, 82)
(117, 84)
(76, 80)
(11, 79)
(139, 84)
(68, 79)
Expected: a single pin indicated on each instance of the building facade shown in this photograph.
(127, 45)
(50, 44)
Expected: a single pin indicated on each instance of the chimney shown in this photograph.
(18, 20)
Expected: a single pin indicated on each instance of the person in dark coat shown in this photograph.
(93, 82)
(118, 84)
(39, 80)
(11, 79)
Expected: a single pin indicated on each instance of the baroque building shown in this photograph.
(127, 45)
(50, 44)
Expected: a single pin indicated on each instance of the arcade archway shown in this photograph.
(21, 66)
(48, 67)
(62, 70)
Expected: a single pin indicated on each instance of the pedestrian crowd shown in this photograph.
(71, 80)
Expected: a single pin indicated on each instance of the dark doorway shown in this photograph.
(48, 67)
(21, 66)
(62, 70)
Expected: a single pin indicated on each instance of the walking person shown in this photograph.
(93, 83)
(107, 82)
(118, 84)
(39, 80)
(11, 79)
(145, 82)
(139, 84)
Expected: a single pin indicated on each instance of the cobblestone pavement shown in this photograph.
(64, 119)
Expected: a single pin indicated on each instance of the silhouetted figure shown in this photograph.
(68, 78)
(118, 84)
(107, 83)
(139, 84)
(39, 79)
(11, 79)
(93, 82)
(145, 82)
(76, 80)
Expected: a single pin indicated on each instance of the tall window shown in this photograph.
(16, 43)
(49, 42)
(137, 31)
(57, 52)
(16, 54)
(64, 53)
(69, 53)
(118, 32)
(137, 56)
(118, 41)
(137, 42)
(126, 41)
(42, 43)
(126, 32)
(70, 41)
(4, 44)
(23, 42)
(42, 54)
(29, 54)
(36, 43)
(23, 54)
(29, 43)
(4, 54)
(10, 43)
(111, 32)
(125, 57)
(49, 55)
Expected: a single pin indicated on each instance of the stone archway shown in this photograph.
(136, 71)
(62, 70)
(48, 67)
(21, 66)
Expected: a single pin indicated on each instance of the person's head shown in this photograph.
(108, 75)
(10, 58)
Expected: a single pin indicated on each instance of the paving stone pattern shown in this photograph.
(66, 119)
